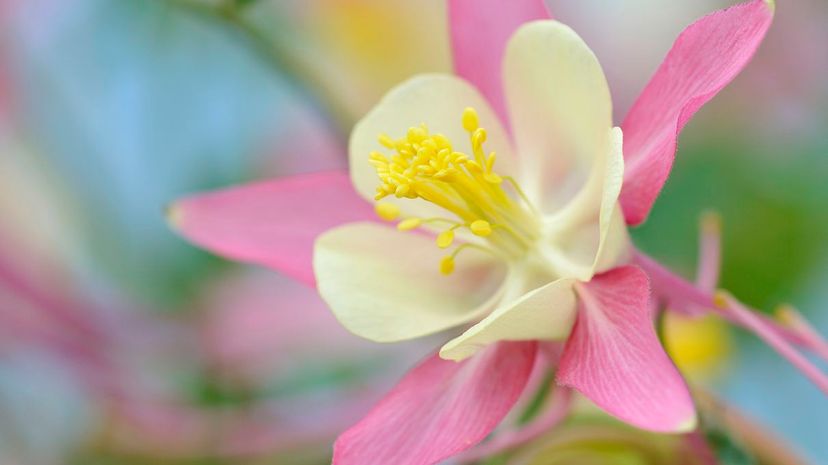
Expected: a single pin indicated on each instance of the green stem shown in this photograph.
(539, 398)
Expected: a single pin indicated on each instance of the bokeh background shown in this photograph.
(120, 343)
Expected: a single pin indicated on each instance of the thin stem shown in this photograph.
(441, 220)
(751, 321)
(710, 251)
(689, 300)
(520, 192)
(798, 323)
(469, 245)
(676, 289)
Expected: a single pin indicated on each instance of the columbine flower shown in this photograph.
(504, 224)
(513, 191)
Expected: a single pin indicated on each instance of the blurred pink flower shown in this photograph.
(257, 325)
(250, 329)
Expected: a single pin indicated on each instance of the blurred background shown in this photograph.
(122, 344)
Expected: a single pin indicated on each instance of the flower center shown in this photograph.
(426, 166)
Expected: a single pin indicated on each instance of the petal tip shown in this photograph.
(457, 352)
(543, 27)
(688, 425)
(543, 23)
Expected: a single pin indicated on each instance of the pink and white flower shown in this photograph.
(532, 182)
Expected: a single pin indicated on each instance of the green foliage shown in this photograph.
(773, 209)
(728, 451)
(538, 400)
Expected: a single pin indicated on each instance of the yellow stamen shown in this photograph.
(387, 211)
(427, 166)
(409, 223)
(386, 141)
(481, 228)
(470, 120)
(447, 265)
(445, 238)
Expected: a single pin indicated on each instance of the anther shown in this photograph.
(786, 314)
(447, 265)
(445, 238)
(721, 298)
(481, 228)
(409, 223)
(416, 134)
(470, 119)
(402, 190)
(387, 141)
(425, 166)
(387, 211)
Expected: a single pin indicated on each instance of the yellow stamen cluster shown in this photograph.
(422, 156)
(426, 166)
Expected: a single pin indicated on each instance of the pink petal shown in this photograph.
(614, 358)
(440, 408)
(271, 223)
(703, 60)
(479, 32)
(710, 252)
(257, 323)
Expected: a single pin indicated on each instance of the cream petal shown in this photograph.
(560, 109)
(438, 101)
(386, 286)
(589, 235)
(546, 313)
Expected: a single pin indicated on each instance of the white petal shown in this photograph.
(560, 107)
(589, 235)
(546, 313)
(386, 286)
(438, 101)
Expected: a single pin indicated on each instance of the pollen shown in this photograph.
(427, 166)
